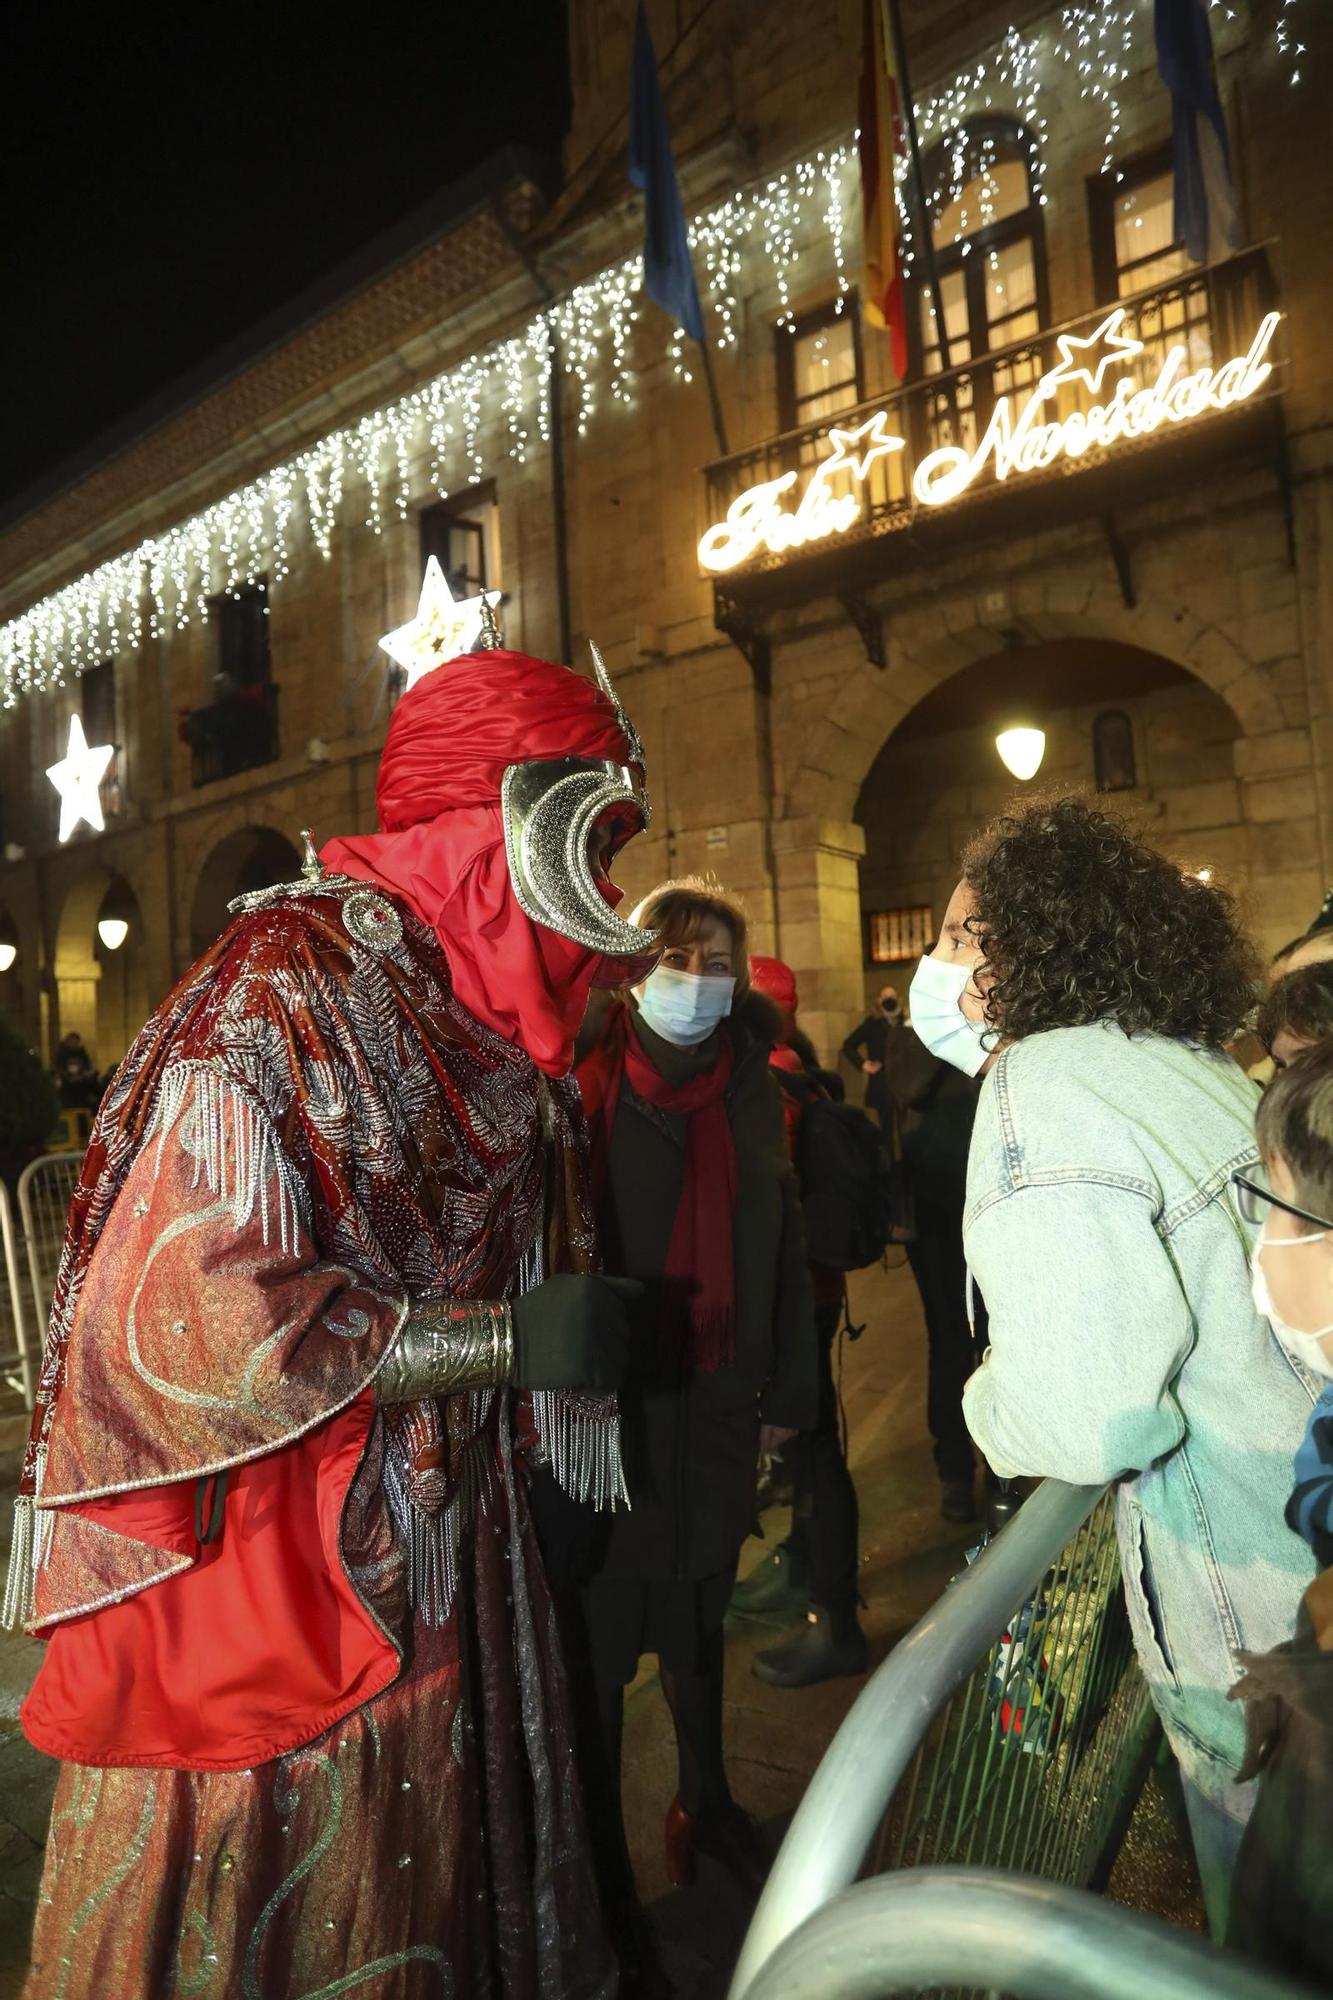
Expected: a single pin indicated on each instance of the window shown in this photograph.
(819, 365)
(989, 252)
(895, 935)
(1113, 752)
(463, 534)
(1134, 245)
(240, 620)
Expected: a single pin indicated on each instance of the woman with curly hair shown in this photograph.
(1096, 984)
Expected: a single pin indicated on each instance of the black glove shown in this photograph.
(573, 1333)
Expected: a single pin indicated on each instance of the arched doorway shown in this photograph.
(100, 967)
(1119, 720)
(254, 857)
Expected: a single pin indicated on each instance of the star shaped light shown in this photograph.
(870, 439)
(1080, 357)
(77, 776)
(444, 626)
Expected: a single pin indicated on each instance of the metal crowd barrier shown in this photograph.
(44, 1191)
(16, 1362)
(1010, 1728)
(1005, 1933)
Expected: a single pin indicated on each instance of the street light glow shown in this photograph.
(1021, 751)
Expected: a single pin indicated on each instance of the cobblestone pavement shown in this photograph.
(774, 1737)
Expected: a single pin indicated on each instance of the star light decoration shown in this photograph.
(856, 451)
(77, 776)
(1081, 356)
(444, 626)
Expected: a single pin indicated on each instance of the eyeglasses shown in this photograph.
(1254, 1200)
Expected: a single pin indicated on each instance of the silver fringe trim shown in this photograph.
(234, 1148)
(28, 1551)
(433, 1542)
(581, 1446)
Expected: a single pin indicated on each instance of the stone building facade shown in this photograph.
(819, 720)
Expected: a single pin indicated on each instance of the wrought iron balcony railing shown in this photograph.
(237, 733)
(1108, 385)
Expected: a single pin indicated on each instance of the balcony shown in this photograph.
(237, 733)
(1082, 417)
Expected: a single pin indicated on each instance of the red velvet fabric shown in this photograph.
(699, 1281)
(157, 1679)
(452, 735)
(442, 849)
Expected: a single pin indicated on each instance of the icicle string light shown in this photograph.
(505, 390)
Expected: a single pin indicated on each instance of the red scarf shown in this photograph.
(519, 978)
(442, 850)
(699, 1281)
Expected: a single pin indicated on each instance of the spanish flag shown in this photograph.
(880, 144)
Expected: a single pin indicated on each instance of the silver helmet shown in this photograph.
(553, 811)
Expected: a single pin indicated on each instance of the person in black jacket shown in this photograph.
(697, 1199)
(935, 1105)
(867, 1048)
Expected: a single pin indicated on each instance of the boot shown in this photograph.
(821, 1651)
(730, 1838)
(772, 1586)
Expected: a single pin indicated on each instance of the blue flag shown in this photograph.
(668, 273)
(1204, 217)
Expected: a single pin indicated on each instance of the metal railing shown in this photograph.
(1007, 1933)
(1212, 311)
(237, 733)
(17, 1363)
(1034, 1765)
(45, 1188)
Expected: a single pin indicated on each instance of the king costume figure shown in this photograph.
(328, 1290)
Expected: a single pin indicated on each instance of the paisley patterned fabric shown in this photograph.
(309, 1136)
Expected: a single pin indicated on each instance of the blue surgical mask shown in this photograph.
(937, 1016)
(685, 1007)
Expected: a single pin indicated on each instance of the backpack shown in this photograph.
(846, 1179)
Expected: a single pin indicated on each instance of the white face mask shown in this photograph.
(685, 1007)
(937, 1016)
(1307, 1348)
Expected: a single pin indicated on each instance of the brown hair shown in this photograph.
(1080, 921)
(1296, 1123)
(680, 909)
(1302, 1003)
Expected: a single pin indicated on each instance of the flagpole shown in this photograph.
(908, 108)
(714, 400)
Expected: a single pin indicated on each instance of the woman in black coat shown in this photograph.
(697, 1200)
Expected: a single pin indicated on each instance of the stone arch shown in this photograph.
(926, 645)
(100, 993)
(248, 858)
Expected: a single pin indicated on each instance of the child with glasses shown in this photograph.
(1282, 1908)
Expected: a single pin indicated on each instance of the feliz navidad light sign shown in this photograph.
(1016, 442)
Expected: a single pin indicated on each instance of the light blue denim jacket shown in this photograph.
(1125, 1345)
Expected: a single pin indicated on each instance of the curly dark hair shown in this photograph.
(1302, 1003)
(1081, 922)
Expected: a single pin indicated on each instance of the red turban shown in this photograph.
(453, 733)
(442, 850)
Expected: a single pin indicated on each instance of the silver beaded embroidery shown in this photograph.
(372, 920)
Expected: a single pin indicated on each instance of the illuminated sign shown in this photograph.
(1014, 443)
(758, 519)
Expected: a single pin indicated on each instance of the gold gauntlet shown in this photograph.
(446, 1348)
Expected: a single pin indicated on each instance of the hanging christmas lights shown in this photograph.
(504, 392)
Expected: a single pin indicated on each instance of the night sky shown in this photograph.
(167, 181)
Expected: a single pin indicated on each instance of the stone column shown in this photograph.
(819, 919)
